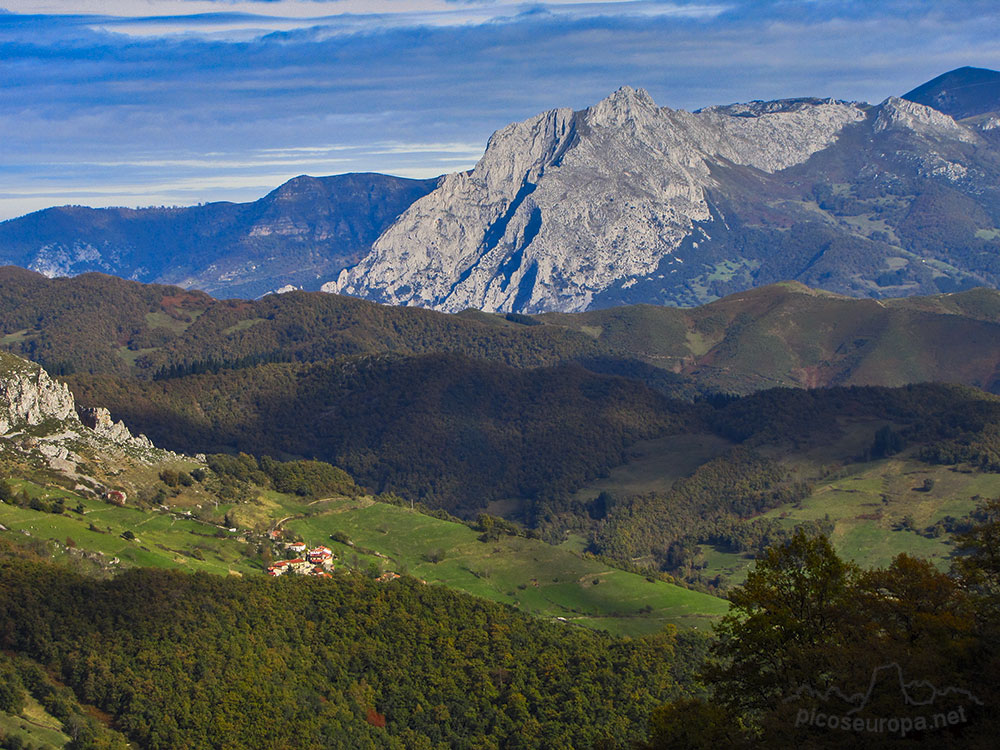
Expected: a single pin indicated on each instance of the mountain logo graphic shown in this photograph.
(914, 692)
(924, 705)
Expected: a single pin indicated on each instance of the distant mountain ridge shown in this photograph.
(298, 235)
(779, 335)
(961, 93)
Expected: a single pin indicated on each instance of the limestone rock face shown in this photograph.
(565, 204)
(28, 396)
(895, 113)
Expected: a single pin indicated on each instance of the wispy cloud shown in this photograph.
(186, 100)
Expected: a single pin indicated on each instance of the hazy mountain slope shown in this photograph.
(628, 202)
(305, 230)
(960, 93)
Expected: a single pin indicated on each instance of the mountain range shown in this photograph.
(623, 202)
(298, 235)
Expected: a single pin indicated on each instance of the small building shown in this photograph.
(297, 547)
(115, 496)
(279, 568)
(320, 555)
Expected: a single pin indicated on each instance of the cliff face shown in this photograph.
(29, 398)
(566, 203)
(629, 202)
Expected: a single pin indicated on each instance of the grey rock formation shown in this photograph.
(99, 420)
(901, 114)
(30, 398)
(566, 203)
(630, 202)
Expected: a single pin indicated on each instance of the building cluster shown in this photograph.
(314, 562)
(311, 562)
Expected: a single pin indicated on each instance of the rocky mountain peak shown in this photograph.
(896, 113)
(565, 203)
(522, 150)
(623, 106)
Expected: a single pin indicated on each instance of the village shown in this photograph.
(313, 562)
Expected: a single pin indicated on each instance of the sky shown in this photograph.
(177, 102)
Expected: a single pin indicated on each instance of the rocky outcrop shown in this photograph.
(99, 420)
(30, 398)
(566, 203)
(899, 114)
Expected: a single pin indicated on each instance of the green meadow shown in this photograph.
(34, 726)
(878, 510)
(529, 574)
(162, 539)
(538, 578)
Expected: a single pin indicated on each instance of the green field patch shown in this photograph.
(868, 505)
(131, 355)
(242, 325)
(162, 539)
(160, 319)
(536, 577)
(732, 567)
(15, 338)
(868, 224)
(34, 726)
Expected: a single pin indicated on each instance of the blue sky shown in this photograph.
(175, 102)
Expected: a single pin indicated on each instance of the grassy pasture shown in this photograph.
(529, 574)
(34, 726)
(162, 539)
(654, 465)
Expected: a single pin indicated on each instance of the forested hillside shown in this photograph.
(785, 334)
(203, 661)
(452, 431)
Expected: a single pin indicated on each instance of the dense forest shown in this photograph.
(450, 431)
(202, 661)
